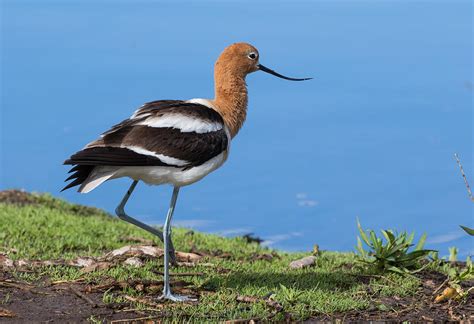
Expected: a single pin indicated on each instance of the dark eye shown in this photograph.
(252, 56)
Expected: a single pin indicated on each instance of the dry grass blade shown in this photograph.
(248, 299)
(12, 284)
(142, 301)
(181, 274)
(469, 192)
(60, 282)
(193, 264)
(6, 313)
(441, 286)
(242, 321)
(135, 320)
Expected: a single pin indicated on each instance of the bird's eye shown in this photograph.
(252, 56)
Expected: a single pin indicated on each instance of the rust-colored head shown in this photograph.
(238, 59)
(231, 68)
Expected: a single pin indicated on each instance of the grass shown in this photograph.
(54, 229)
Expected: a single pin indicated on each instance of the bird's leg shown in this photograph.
(120, 211)
(167, 240)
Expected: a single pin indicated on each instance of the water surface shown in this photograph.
(372, 136)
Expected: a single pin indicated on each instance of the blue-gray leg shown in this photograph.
(120, 211)
(167, 241)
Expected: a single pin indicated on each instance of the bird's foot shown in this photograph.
(177, 298)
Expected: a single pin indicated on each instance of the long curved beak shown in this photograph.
(270, 71)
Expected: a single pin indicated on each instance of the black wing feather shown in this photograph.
(81, 174)
(113, 156)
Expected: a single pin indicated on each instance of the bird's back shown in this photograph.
(163, 141)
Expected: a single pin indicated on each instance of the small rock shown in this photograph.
(133, 261)
(5, 261)
(96, 267)
(429, 283)
(82, 262)
(21, 263)
(187, 256)
(303, 262)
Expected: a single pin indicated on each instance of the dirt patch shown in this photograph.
(417, 308)
(60, 304)
(23, 198)
(17, 197)
(78, 301)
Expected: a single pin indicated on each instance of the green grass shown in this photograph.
(54, 229)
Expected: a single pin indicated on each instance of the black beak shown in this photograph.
(270, 71)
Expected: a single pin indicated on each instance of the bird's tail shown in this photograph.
(89, 177)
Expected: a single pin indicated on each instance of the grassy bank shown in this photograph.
(234, 279)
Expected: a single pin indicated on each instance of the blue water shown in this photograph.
(372, 136)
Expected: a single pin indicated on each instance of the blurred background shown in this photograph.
(372, 136)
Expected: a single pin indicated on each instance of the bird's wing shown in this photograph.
(161, 133)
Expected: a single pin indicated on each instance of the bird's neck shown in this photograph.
(231, 100)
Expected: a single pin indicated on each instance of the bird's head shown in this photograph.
(241, 59)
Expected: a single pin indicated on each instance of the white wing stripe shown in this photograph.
(164, 158)
(182, 122)
(204, 102)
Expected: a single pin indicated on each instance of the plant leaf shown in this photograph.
(391, 236)
(421, 242)
(420, 254)
(375, 241)
(468, 230)
(363, 235)
(360, 248)
(397, 270)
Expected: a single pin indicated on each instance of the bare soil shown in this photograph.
(72, 302)
(23, 198)
(57, 304)
(77, 302)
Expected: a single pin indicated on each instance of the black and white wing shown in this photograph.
(170, 133)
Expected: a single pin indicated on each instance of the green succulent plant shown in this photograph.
(391, 254)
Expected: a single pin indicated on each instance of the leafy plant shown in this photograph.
(392, 254)
(289, 295)
(456, 277)
(453, 254)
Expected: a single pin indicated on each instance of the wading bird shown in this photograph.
(173, 142)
